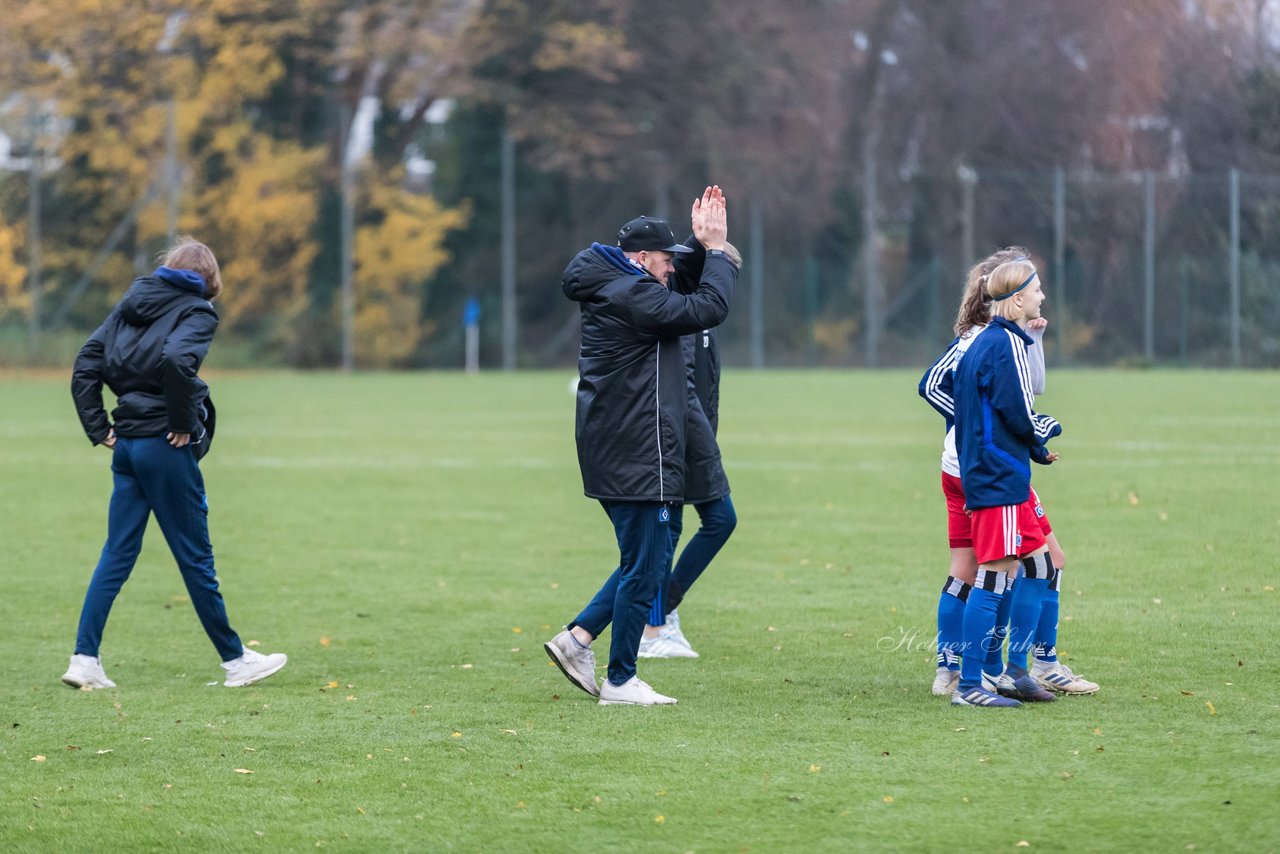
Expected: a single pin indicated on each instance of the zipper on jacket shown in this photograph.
(657, 413)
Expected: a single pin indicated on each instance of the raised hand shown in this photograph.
(710, 218)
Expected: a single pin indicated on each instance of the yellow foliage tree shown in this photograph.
(398, 247)
(14, 297)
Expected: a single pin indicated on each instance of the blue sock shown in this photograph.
(979, 625)
(951, 622)
(1047, 630)
(993, 652)
(1024, 616)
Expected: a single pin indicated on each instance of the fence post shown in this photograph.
(756, 228)
(1149, 269)
(1060, 260)
(1235, 267)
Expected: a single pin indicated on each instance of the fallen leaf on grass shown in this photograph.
(39, 757)
(660, 819)
(360, 810)
(1188, 693)
(517, 630)
(331, 684)
(888, 799)
(72, 747)
(814, 769)
(243, 771)
(1133, 500)
(107, 750)
(254, 643)
(457, 734)
(1022, 843)
(324, 641)
(509, 731)
(1212, 710)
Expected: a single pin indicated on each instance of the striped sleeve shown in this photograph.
(936, 384)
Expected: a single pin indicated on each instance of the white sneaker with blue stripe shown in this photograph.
(1057, 677)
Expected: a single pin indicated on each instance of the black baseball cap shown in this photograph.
(649, 233)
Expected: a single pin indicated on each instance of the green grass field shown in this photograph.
(411, 540)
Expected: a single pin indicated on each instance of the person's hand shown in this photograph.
(1038, 323)
(1050, 458)
(179, 440)
(110, 442)
(709, 217)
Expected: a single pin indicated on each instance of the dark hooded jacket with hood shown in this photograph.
(632, 389)
(148, 352)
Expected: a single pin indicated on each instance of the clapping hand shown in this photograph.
(710, 219)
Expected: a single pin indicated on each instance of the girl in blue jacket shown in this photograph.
(148, 352)
(997, 435)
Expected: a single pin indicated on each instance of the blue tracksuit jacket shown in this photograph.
(998, 433)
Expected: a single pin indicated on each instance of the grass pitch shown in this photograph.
(411, 540)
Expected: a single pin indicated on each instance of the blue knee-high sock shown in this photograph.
(979, 625)
(1047, 630)
(951, 622)
(1028, 601)
(993, 652)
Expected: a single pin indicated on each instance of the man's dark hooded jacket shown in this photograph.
(632, 388)
(148, 352)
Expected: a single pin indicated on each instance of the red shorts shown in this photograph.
(959, 528)
(1041, 516)
(1000, 532)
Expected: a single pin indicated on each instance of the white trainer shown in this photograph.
(661, 646)
(671, 631)
(576, 663)
(252, 667)
(1057, 677)
(946, 682)
(633, 692)
(996, 684)
(85, 672)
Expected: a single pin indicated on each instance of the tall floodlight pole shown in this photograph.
(1149, 269)
(1235, 268)
(347, 288)
(1060, 259)
(755, 228)
(508, 248)
(172, 27)
(35, 257)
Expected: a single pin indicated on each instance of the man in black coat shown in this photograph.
(631, 421)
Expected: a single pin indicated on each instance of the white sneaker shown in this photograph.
(661, 646)
(671, 631)
(996, 684)
(252, 667)
(85, 672)
(1057, 677)
(946, 683)
(633, 692)
(577, 664)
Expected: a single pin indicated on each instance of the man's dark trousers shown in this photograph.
(644, 546)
